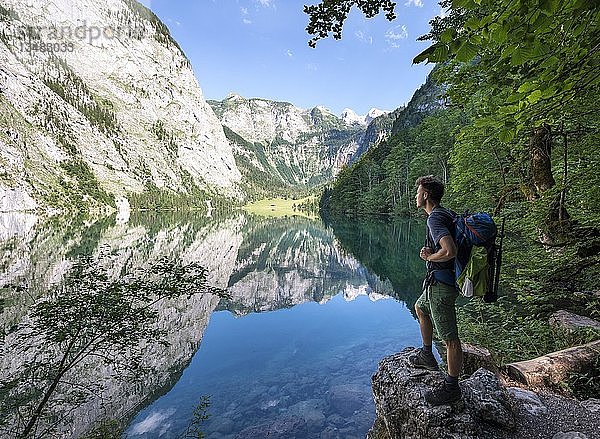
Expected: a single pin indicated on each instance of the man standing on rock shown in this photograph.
(435, 307)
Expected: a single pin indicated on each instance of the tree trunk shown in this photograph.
(553, 368)
(540, 152)
(563, 192)
(557, 223)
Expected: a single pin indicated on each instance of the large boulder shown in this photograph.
(487, 410)
(568, 320)
(402, 412)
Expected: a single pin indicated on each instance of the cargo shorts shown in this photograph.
(439, 303)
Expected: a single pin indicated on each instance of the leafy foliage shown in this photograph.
(382, 180)
(91, 318)
(526, 61)
(511, 333)
(585, 384)
(329, 16)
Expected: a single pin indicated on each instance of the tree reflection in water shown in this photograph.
(93, 319)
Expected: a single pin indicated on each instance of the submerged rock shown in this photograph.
(346, 399)
(282, 428)
(311, 411)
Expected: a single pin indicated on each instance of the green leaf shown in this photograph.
(534, 96)
(541, 23)
(440, 53)
(507, 51)
(499, 34)
(548, 6)
(520, 56)
(548, 92)
(487, 121)
(538, 50)
(486, 19)
(550, 63)
(455, 45)
(448, 35)
(475, 39)
(515, 97)
(526, 87)
(472, 23)
(425, 55)
(466, 52)
(580, 28)
(508, 109)
(506, 135)
(464, 4)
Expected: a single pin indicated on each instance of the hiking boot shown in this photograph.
(423, 360)
(445, 394)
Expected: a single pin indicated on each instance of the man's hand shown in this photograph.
(425, 253)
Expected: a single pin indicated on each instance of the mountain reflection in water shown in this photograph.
(310, 309)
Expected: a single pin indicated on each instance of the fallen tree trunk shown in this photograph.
(553, 368)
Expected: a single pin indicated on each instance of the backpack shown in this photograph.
(478, 257)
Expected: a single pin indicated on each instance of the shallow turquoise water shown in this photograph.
(311, 362)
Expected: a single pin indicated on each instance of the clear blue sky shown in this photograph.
(258, 48)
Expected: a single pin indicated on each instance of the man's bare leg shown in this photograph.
(426, 326)
(454, 357)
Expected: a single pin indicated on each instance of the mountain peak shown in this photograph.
(373, 113)
(234, 96)
(351, 118)
(322, 109)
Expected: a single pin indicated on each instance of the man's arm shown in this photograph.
(445, 253)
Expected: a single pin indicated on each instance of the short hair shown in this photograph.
(433, 186)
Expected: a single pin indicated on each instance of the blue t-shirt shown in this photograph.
(440, 223)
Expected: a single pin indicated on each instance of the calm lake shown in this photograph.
(307, 312)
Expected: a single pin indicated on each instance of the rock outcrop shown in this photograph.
(98, 100)
(402, 412)
(487, 410)
(568, 320)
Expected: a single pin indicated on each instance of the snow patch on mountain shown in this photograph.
(350, 117)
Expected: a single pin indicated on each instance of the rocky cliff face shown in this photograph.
(278, 145)
(378, 129)
(97, 101)
(426, 100)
